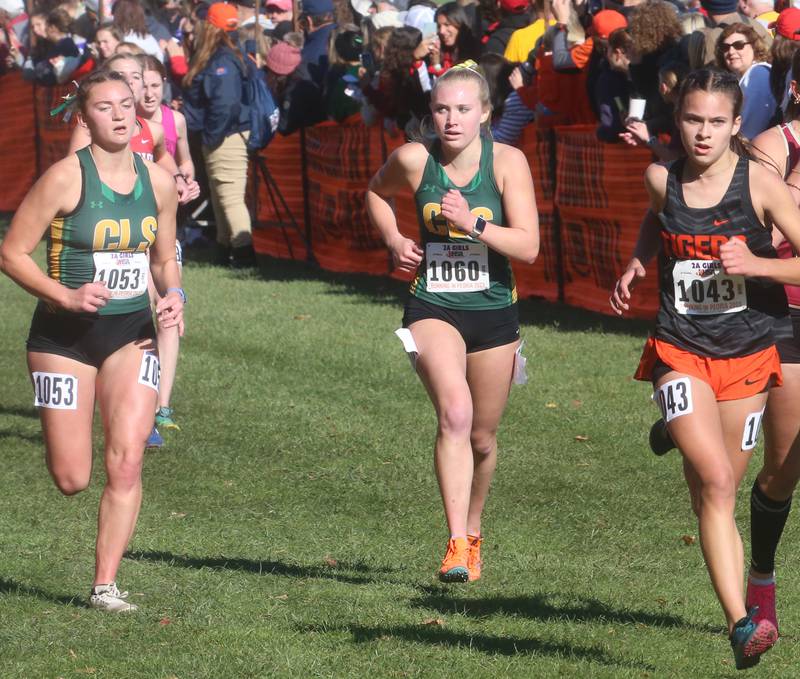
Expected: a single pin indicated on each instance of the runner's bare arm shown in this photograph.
(56, 193)
(187, 188)
(182, 155)
(402, 170)
(774, 204)
(163, 261)
(519, 237)
(769, 149)
(647, 246)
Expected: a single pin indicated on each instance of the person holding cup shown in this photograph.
(636, 108)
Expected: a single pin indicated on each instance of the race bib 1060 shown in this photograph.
(124, 273)
(702, 287)
(457, 267)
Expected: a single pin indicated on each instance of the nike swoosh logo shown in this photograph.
(720, 222)
(750, 382)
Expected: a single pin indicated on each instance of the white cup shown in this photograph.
(636, 108)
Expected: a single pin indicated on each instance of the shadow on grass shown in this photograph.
(23, 436)
(352, 572)
(539, 607)
(19, 411)
(13, 587)
(385, 290)
(492, 645)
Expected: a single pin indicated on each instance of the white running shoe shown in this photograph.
(109, 598)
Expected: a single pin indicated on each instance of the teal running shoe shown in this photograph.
(164, 419)
(455, 566)
(751, 639)
(154, 440)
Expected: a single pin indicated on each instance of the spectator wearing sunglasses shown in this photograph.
(741, 51)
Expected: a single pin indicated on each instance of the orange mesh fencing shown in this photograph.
(17, 139)
(540, 279)
(341, 159)
(278, 228)
(601, 201)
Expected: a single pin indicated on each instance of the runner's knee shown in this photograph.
(483, 442)
(455, 417)
(717, 490)
(124, 466)
(71, 482)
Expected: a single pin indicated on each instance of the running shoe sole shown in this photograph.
(457, 574)
(760, 642)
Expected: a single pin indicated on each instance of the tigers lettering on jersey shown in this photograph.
(703, 309)
(694, 245)
(435, 223)
(110, 234)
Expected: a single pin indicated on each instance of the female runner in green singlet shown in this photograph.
(92, 337)
(477, 209)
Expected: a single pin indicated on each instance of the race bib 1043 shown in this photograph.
(702, 287)
(124, 273)
(457, 267)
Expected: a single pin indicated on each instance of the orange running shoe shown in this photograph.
(454, 567)
(474, 562)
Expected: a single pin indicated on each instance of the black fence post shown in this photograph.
(306, 198)
(558, 245)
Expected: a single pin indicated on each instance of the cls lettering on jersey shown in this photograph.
(694, 246)
(435, 223)
(110, 234)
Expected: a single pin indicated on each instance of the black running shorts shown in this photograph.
(90, 339)
(481, 329)
(789, 349)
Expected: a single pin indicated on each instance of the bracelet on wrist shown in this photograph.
(180, 291)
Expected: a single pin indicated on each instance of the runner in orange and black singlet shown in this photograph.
(712, 357)
(705, 312)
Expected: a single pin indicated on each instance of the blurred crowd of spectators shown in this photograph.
(554, 62)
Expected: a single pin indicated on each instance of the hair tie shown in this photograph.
(468, 64)
(67, 104)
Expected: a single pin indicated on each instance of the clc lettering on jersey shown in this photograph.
(694, 246)
(110, 234)
(435, 223)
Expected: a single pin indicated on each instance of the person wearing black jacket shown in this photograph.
(514, 14)
(303, 97)
(214, 107)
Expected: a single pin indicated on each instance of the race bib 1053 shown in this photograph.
(55, 390)
(124, 273)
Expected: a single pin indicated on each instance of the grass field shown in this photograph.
(293, 528)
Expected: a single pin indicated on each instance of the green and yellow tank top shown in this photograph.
(456, 271)
(106, 237)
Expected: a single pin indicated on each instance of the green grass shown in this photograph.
(293, 528)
